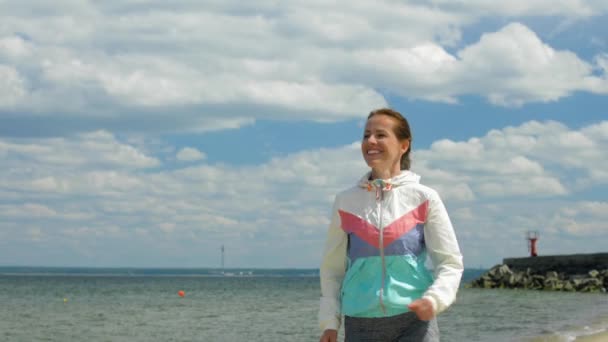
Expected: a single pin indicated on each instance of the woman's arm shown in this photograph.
(444, 252)
(333, 267)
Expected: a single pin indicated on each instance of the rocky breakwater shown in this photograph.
(503, 277)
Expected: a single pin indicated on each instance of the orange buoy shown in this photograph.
(181, 293)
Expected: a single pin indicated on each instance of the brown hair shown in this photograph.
(401, 130)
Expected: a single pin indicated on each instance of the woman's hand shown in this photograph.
(329, 335)
(423, 308)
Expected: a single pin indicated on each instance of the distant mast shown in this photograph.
(222, 249)
(532, 237)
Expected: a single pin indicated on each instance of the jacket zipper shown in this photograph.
(379, 200)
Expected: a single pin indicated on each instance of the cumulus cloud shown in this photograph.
(518, 67)
(573, 9)
(80, 82)
(13, 47)
(110, 192)
(218, 66)
(190, 154)
(525, 160)
(86, 150)
(509, 67)
(26, 210)
(12, 87)
(580, 219)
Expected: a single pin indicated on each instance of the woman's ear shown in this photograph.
(405, 145)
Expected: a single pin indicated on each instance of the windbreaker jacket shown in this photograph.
(380, 234)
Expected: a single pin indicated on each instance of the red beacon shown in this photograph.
(532, 237)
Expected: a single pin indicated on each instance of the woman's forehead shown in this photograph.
(380, 122)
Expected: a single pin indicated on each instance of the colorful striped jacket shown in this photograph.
(377, 244)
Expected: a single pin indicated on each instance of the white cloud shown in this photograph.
(568, 8)
(35, 234)
(45, 184)
(87, 149)
(167, 227)
(490, 184)
(515, 67)
(532, 186)
(602, 62)
(598, 210)
(14, 47)
(580, 219)
(111, 67)
(190, 154)
(111, 64)
(27, 210)
(12, 87)
(524, 160)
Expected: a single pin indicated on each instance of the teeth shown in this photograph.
(373, 152)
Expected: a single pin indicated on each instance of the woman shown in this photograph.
(373, 269)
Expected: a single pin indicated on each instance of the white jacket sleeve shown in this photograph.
(445, 255)
(333, 267)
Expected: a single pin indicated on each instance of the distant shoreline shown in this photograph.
(41, 271)
(151, 271)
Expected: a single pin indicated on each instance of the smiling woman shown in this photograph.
(373, 269)
(386, 143)
(129, 130)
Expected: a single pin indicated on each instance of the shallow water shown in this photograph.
(270, 308)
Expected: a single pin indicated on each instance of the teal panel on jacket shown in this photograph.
(406, 280)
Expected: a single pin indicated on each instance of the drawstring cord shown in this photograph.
(380, 185)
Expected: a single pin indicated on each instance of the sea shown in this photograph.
(121, 304)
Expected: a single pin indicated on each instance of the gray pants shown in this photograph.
(401, 328)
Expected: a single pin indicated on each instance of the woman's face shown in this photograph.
(381, 148)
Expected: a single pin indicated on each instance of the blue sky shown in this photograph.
(141, 134)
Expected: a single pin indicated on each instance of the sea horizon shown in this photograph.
(468, 275)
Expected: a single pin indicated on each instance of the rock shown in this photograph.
(550, 283)
(504, 270)
(552, 275)
(501, 276)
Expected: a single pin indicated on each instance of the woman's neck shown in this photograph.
(384, 174)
